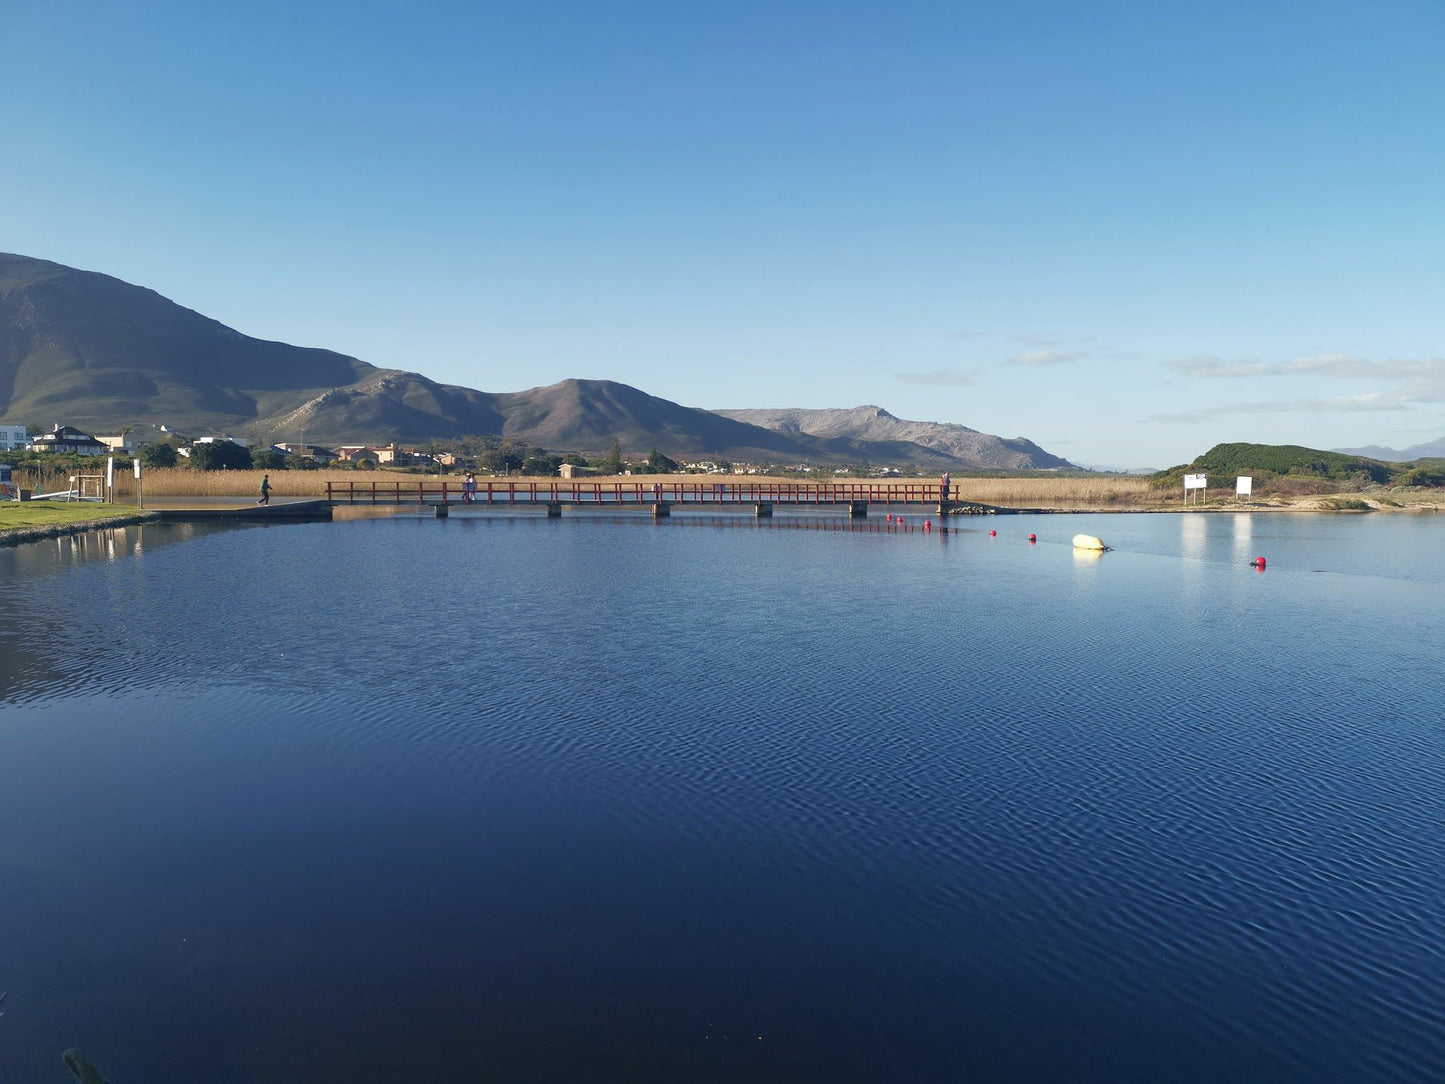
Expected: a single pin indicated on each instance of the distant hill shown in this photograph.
(1226, 461)
(1434, 450)
(945, 442)
(92, 351)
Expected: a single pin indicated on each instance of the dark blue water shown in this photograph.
(517, 799)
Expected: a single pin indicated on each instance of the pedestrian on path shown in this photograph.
(265, 489)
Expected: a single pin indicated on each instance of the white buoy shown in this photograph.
(1088, 542)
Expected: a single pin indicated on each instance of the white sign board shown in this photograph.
(110, 472)
(1196, 481)
(1243, 485)
(137, 468)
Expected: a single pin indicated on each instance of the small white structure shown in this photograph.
(1196, 483)
(1243, 485)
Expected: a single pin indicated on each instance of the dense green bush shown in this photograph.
(1431, 477)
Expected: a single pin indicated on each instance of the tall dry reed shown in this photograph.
(1041, 491)
(1047, 490)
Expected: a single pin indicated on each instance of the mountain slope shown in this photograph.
(92, 351)
(872, 424)
(101, 352)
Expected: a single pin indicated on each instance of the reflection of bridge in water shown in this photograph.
(660, 498)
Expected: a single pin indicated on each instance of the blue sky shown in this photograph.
(1127, 231)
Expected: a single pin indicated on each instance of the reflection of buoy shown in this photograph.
(1258, 562)
(993, 534)
(1033, 537)
(1089, 542)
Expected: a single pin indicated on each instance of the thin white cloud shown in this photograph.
(1047, 340)
(1045, 357)
(939, 378)
(1417, 380)
(1209, 366)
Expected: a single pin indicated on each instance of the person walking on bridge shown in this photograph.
(265, 489)
(944, 487)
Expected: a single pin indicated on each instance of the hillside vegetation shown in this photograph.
(1269, 462)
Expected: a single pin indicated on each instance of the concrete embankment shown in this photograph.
(292, 512)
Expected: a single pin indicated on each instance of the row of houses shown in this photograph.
(67, 439)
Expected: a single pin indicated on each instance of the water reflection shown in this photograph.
(1243, 536)
(1193, 535)
(31, 631)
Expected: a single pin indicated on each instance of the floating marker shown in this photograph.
(1258, 563)
(1089, 542)
(1033, 537)
(993, 534)
(928, 524)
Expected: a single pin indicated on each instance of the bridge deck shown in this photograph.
(613, 494)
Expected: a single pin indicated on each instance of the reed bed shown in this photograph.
(1046, 491)
(184, 482)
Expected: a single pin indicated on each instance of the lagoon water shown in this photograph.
(596, 798)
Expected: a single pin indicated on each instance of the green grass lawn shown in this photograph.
(48, 513)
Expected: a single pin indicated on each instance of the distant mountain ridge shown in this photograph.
(875, 425)
(89, 350)
(1433, 450)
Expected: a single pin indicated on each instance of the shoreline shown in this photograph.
(1334, 504)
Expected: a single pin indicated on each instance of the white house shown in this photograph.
(13, 438)
(65, 438)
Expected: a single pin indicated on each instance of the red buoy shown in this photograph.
(1258, 562)
(993, 534)
(928, 524)
(1033, 537)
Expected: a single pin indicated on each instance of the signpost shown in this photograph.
(1196, 482)
(1243, 485)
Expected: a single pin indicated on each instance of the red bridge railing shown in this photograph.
(625, 493)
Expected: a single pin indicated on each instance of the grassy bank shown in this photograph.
(25, 520)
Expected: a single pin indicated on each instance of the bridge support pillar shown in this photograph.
(858, 509)
(763, 510)
(661, 510)
(441, 511)
(945, 507)
(554, 509)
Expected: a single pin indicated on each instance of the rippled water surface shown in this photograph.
(714, 799)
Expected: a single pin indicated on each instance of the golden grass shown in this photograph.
(1044, 490)
(1049, 490)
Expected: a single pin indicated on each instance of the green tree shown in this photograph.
(657, 463)
(220, 455)
(269, 459)
(613, 463)
(158, 455)
(507, 456)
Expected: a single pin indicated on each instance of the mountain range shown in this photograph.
(85, 349)
(1433, 450)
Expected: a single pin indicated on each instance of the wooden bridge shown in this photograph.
(758, 497)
